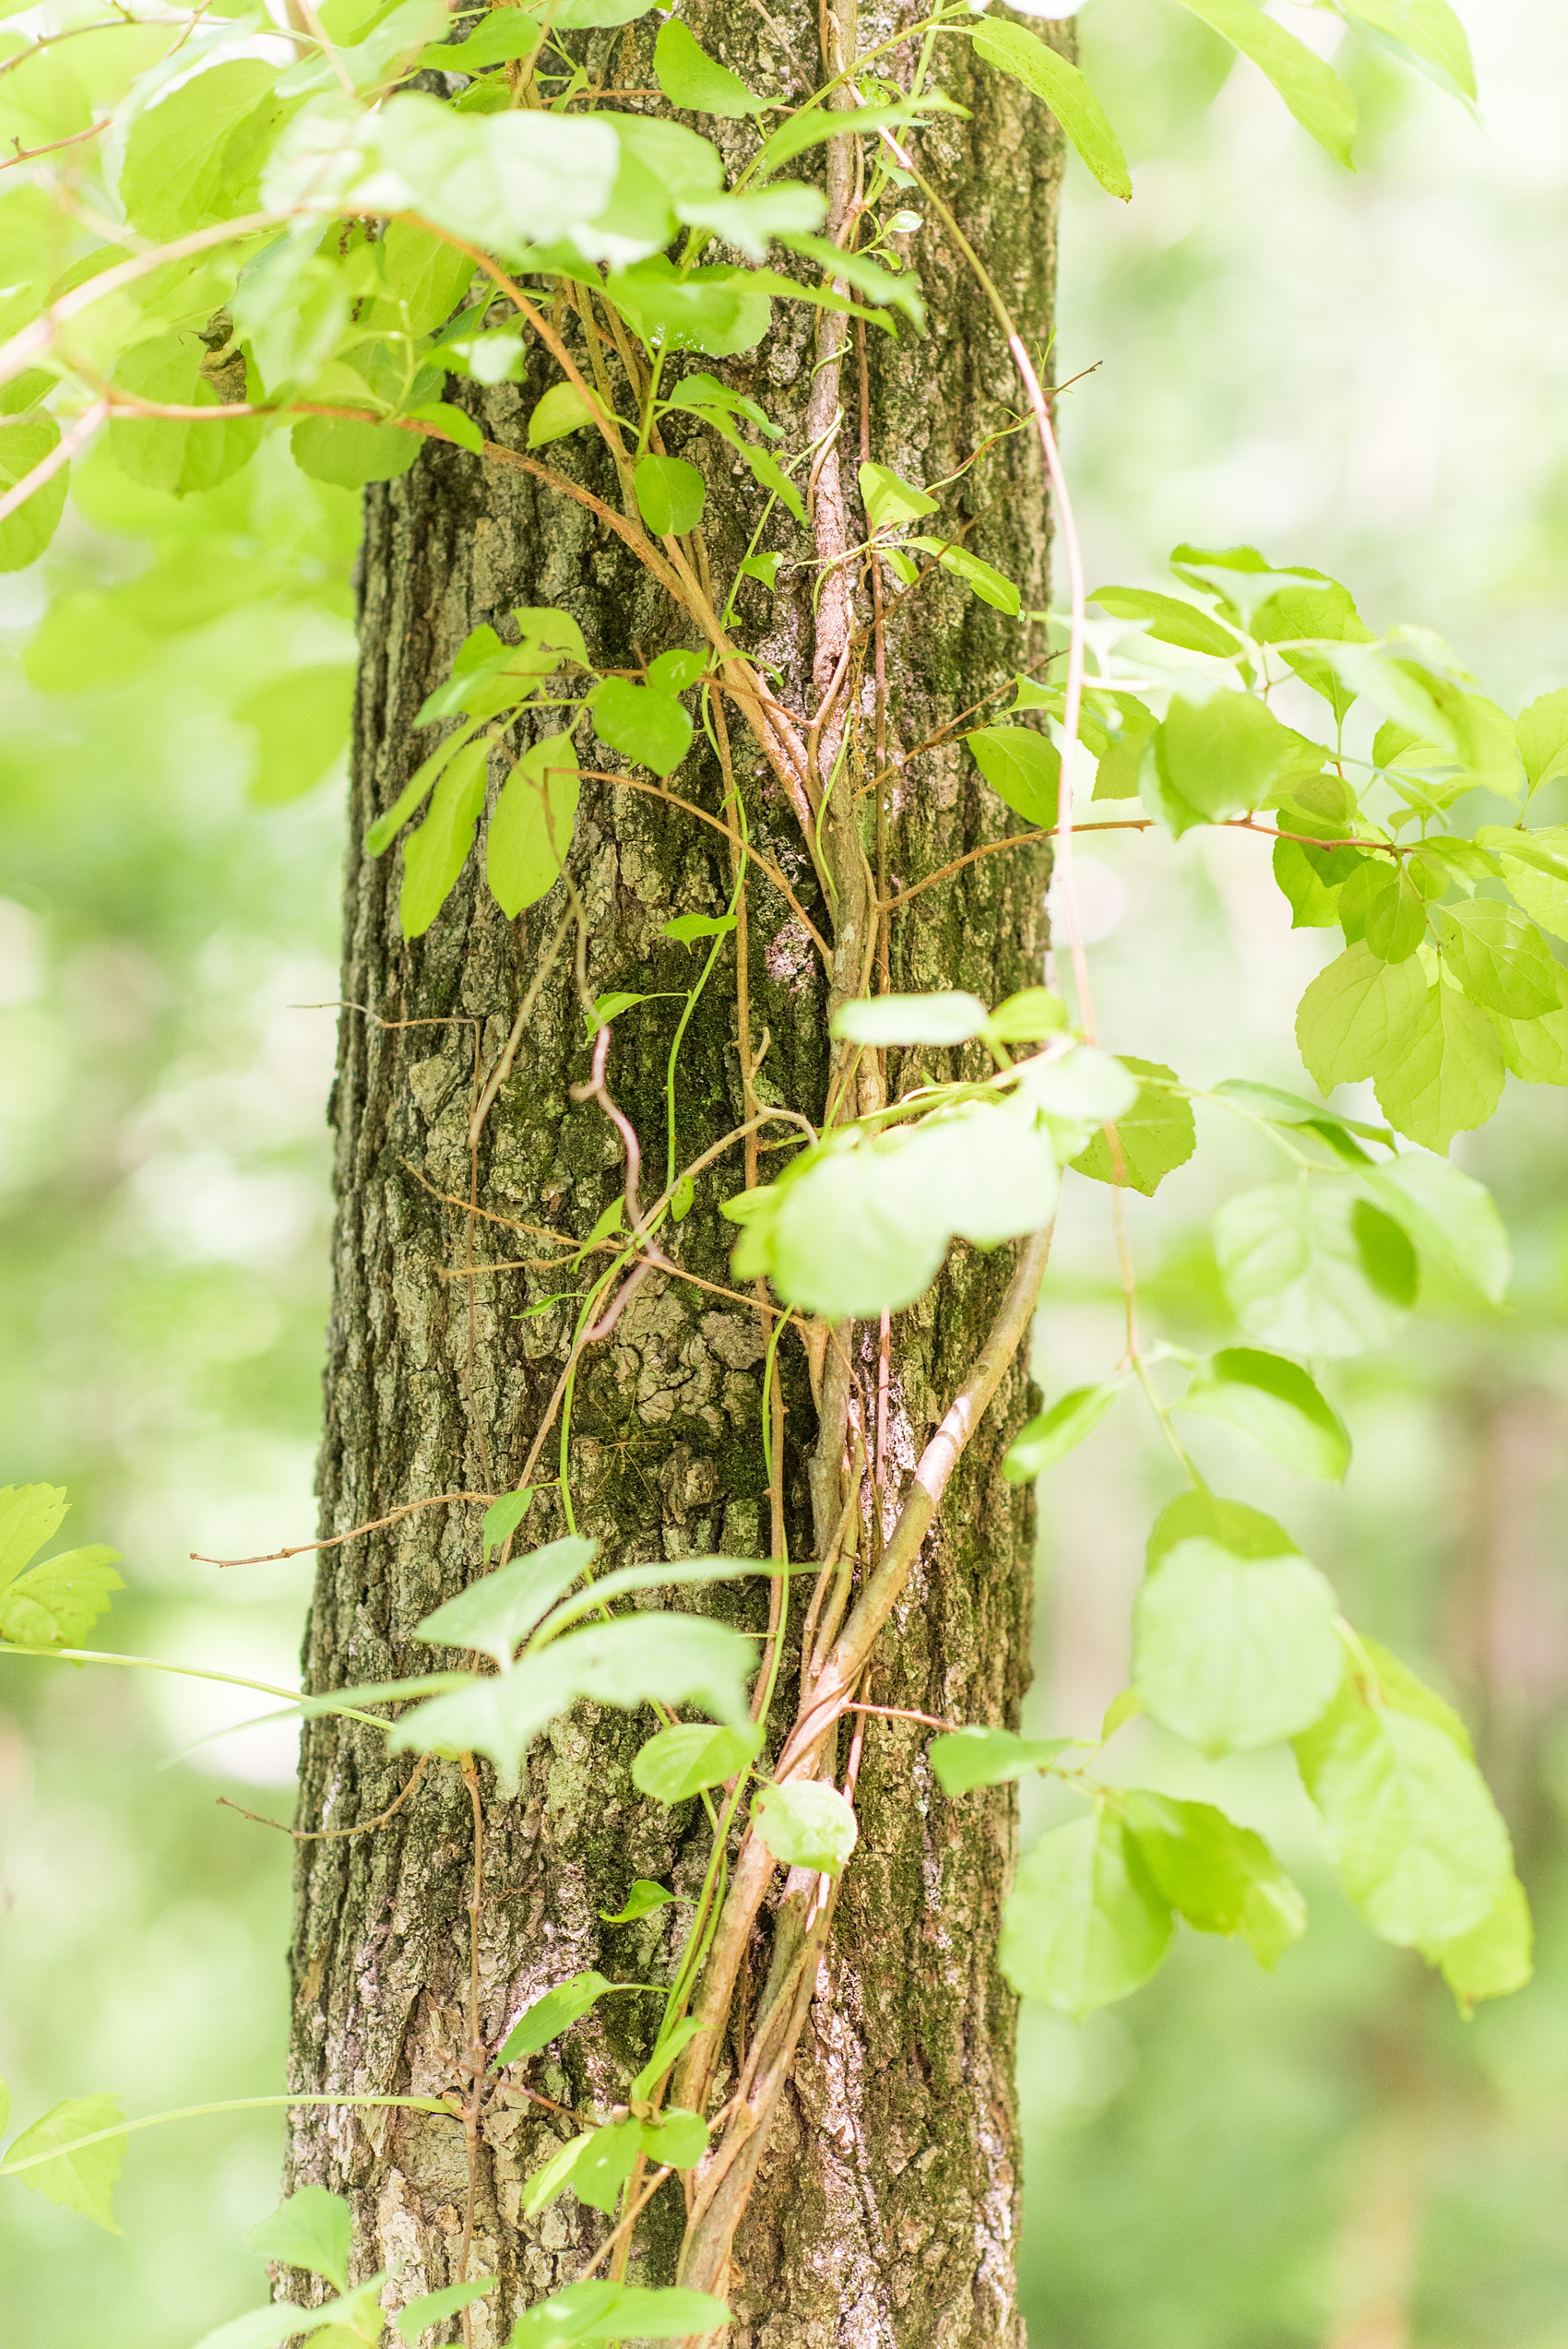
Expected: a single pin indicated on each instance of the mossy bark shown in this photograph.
(887, 2208)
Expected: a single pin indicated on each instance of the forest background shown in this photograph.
(1369, 374)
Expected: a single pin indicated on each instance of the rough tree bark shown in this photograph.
(886, 2206)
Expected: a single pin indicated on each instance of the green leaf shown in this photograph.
(691, 80)
(719, 310)
(599, 2311)
(1449, 1213)
(1170, 621)
(812, 124)
(806, 1825)
(348, 454)
(1290, 1108)
(858, 271)
(1313, 91)
(1220, 1876)
(530, 831)
(1064, 89)
(980, 577)
(1313, 1269)
(194, 156)
(1192, 1517)
(1534, 865)
(863, 1229)
(788, 210)
(671, 494)
(56, 1604)
(1425, 33)
(299, 719)
(688, 930)
(553, 2176)
(562, 410)
(25, 533)
(676, 2138)
(1232, 1652)
(1156, 1135)
(493, 1616)
(555, 2014)
(1224, 756)
(637, 1659)
(1028, 1017)
(644, 1896)
(1495, 1957)
(82, 2181)
(432, 2308)
(645, 725)
(413, 796)
(1055, 1433)
(160, 452)
(1022, 767)
(455, 423)
(1541, 736)
(1419, 1843)
(1277, 1404)
(668, 2046)
(1536, 1050)
(1448, 1077)
(436, 853)
(951, 1018)
(965, 1759)
(1500, 959)
(426, 278)
(501, 181)
(312, 2229)
(265, 2328)
(889, 501)
(29, 1514)
(503, 1517)
(605, 2163)
(679, 1763)
(1084, 1923)
(1357, 1017)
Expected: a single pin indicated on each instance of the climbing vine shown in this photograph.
(221, 227)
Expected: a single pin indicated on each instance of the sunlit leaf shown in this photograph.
(1085, 1922)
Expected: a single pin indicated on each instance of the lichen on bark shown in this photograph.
(885, 2207)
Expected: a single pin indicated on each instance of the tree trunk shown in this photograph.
(885, 2207)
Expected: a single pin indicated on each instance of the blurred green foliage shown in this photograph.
(1348, 372)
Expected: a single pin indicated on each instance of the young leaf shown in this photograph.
(643, 723)
(687, 930)
(1084, 1923)
(644, 1897)
(882, 1020)
(54, 1605)
(562, 410)
(605, 2163)
(677, 1659)
(1534, 865)
(1273, 1102)
(1050, 1437)
(982, 578)
(29, 1514)
(495, 1615)
(530, 830)
(1357, 1017)
(600, 2312)
(1029, 1017)
(806, 1825)
(1449, 1074)
(348, 454)
(889, 501)
(549, 2016)
(553, 2176)
(1541, 735)
(1193, 1517)
(679, 1763)
(718, 310)
(1220, 1876)
(671, 494)
(1500, 959)
(1277, 1404)
(1170, 621)
(964, 1758)
(691, 80)
(82, 2181)
(1495, 1957)
(1425, 33)
(1223, 756)
(432, 2308)
(436, 853)
(1155, 1136)
(1419, 1843)
(503, 1517)
(192, 156)
(677, 2138)
(495, 180)
(1064, 89)
(1313, 91)
(1234, 1653)
(1313, 1269)
(1449, 1213)
(1022, 767)
(299, 720)
(312, 2229)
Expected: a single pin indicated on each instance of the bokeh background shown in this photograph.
(1365, 373)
